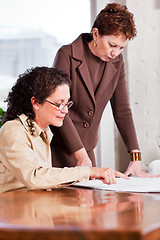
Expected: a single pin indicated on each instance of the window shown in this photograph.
(31, 31)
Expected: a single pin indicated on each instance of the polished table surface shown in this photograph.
(78, 213)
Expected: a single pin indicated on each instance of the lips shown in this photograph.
(61, 118)
(106, 58)
(109, 58)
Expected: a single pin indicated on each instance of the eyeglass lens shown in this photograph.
(68, 105)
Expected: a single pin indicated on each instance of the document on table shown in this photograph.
(134, 184)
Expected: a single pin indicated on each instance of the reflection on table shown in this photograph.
(79, 213)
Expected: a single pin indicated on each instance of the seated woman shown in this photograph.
(39, 98)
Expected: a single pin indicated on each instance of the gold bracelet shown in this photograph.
(135, 156)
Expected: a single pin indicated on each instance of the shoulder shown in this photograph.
(12, 130)
(68, 53)
(64, 50)
(11, 125)
(76, 43)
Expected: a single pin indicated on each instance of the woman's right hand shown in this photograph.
(107, 175)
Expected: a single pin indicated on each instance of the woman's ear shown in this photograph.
(35, 104)
(95, 33)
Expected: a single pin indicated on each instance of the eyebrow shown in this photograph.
(117, 45)
(61, 100)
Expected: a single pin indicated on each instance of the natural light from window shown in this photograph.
(31, 32)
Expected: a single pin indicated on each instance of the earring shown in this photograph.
(94, 44)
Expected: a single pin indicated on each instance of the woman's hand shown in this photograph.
(135, 169)
(107, 175)
(82, 158)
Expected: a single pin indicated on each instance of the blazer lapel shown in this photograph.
(81, 65)
(86, 78)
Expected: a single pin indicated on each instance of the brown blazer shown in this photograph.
(81, 124)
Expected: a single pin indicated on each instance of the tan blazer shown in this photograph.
(81, 124)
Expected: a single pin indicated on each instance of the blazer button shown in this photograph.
(90, 113)
(86, 125)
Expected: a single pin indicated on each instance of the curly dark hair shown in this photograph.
(115, 19)
(39, 82)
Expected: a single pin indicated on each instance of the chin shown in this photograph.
(59, 124)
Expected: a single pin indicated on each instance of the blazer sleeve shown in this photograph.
(68, 131)
(122, 112)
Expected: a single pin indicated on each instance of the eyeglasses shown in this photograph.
(61, 106)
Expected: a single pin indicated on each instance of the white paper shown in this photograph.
(134, 184)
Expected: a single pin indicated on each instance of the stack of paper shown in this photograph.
(134, 184)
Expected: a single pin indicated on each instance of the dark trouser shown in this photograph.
(61, 158)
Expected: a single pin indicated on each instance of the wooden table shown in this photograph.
(78, 213)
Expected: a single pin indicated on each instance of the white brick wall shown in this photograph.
(143, 60)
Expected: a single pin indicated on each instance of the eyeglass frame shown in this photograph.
(58, 106)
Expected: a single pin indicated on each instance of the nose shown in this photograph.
(64, 110)
(115, 52)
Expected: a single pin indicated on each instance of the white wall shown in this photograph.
(144, 76)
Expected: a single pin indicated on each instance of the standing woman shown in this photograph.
(95, 65)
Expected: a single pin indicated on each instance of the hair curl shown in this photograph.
(39, 82)
(115, 19)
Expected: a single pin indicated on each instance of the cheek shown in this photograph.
(105, 48)
(50, 112)
(108, 49)
(53, 113)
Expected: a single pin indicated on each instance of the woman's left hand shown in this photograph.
(135, 169)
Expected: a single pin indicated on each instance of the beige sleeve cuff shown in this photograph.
(83, 174)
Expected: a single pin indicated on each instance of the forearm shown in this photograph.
(82, 158)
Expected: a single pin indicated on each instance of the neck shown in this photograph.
(92, 48)
(41, 125)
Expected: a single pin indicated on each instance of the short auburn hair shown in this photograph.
(115, 19)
